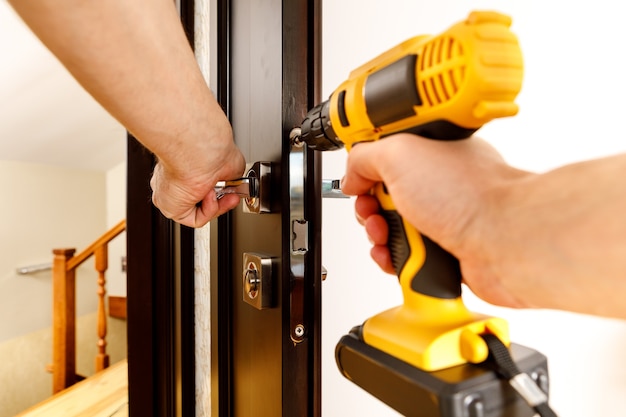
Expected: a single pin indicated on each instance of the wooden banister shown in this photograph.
(64, 307)
(102, 263)
(63, 321)
(102, 240)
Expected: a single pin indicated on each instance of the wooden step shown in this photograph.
(104, 394)
(117, 307)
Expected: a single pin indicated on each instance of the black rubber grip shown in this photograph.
(440, 274)
(397, 242)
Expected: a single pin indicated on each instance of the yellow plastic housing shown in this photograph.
(468, 75)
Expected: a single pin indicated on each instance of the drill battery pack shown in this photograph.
(466, 390)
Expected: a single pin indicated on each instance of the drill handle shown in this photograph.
(422, 265)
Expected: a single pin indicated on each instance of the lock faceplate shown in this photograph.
(257, 280)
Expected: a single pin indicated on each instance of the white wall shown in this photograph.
(43, 208)
(116, 212)
(571, 109)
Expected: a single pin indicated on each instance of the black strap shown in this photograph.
(521, 382)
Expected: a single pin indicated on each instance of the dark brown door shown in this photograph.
(160, 293)
(269, 359)
(268, 53)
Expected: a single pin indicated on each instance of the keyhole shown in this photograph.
(252, 281)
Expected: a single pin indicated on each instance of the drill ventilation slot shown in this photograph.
(441, 70)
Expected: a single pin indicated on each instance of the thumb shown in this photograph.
(362, 169)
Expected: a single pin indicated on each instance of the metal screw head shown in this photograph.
(299, 330)
(295, 137)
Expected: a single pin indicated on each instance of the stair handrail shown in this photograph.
(64, 307)
(101, 241)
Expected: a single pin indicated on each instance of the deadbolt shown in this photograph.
(257, 280)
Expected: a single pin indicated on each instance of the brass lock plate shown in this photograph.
(257, 280)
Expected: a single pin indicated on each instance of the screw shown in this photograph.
(295, 137)
(299, 330)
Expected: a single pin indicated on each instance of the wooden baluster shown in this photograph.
(64, 322)
(64, 308)
(102, 257)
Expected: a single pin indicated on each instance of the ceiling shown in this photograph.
(45, 116)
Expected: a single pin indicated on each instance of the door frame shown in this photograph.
(160, 301)
(160, 291)
(301, 87)
(160, 272)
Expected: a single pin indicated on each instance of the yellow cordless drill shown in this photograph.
(421, 357)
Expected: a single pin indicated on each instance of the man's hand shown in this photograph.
(551, 240)
(436, 186)
(191, 200)
(445, 190)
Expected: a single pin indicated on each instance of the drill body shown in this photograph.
(440, 87)
(419, 357)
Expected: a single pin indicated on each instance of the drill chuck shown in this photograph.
(317, 129)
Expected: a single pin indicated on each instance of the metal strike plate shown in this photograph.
(257, 280)
(262, 203)
(332, 189)
(299, 228)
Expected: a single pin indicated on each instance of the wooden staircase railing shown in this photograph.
(64, 266)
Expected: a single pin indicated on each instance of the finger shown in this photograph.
(227, 203)
(381, 255)
(211, 207)
(377, 229)
(362, 171)
(205, 210)
(365, 206)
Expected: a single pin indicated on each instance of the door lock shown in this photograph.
(261, 201)
(257, 280)
(251, 282)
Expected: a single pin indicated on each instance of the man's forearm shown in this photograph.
(559, 238)
(133, 57)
